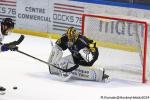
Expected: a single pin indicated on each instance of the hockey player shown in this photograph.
(7, 25)
(83, 55)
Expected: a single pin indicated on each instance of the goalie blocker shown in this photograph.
(83, 55)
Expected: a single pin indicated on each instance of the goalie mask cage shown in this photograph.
(127, 32)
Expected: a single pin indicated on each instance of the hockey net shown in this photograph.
(129, 34)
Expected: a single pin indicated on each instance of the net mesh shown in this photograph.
(127, 34)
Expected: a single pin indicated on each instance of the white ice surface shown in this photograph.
(34, 82)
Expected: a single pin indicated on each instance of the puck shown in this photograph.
(2, 89)
(14, 87)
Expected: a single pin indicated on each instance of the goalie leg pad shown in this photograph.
(83, 72)
(66, 63)
(54, 58)
(89, 73)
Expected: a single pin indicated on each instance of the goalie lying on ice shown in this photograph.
(83, 55)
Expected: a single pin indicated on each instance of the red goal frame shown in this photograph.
(144, 80)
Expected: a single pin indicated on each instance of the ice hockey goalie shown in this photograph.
(83, 55)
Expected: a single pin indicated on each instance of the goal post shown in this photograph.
(125, 32)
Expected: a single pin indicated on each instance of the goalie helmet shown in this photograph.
(72, 35)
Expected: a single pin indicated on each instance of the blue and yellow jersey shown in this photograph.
(79, 44)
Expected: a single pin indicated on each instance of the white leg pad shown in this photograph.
(88, 73)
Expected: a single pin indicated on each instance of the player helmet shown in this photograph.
(8, 22)
(7, 25)
(72, 34)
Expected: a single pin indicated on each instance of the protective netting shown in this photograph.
(127, 34)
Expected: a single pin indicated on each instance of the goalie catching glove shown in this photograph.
(86, 54)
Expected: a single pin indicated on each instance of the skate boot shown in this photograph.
(105, 77)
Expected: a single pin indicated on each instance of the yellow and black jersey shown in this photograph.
(79, 44)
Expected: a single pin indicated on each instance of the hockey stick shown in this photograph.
(64, 70)
(21, 38)
(32, 56)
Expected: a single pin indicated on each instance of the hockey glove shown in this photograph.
(13, 48)
(7, 47)
(4, 48)
(86, 54)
